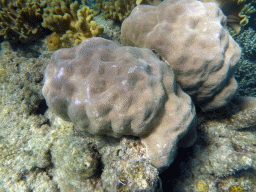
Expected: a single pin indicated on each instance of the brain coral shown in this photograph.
(104, 88)
(192, 36)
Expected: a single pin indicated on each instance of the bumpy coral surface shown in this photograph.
(233, 10)
(192, 36)
(104, 88)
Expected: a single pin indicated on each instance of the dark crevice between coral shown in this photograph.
(97, 155)
(41, 109)
(177, 169)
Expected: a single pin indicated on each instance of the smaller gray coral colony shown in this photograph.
(105, 88)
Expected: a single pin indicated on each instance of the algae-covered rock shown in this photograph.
(224, 154)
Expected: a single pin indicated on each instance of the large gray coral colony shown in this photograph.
(105, 88)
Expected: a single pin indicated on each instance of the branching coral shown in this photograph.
(71, 23)
(21, 20)
(118, 10)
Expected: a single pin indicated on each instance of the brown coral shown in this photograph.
(21, 20)
(71, 22)
(118, 10)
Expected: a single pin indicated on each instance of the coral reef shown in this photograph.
(71, 23)
(223, 155)
(20, 21)
(234, 10)
(41, 152)
(104, 88)
(245, 76)
(117, 9)
(192, 36)
(247, 40)
(148, 2)
(44, 153)
(26, 80)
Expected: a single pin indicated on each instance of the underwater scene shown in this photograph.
(127, 96)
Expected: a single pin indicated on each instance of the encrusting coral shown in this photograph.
(193, 37)
(104, 88)
(21, 20)
(71, 23)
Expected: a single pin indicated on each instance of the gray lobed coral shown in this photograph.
(193, 37)
(108, 89)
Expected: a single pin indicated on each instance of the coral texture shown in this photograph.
(192, 36)
(21, 20)
(71, 23)
(104, 88)
(118, 10)
(233, 10)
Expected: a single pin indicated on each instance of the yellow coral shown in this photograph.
(53, 42)
(21, 20)
(201, 186)
(71, 22)
(148, 2)
(236, 188)
(118, 10)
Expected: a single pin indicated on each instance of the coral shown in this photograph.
(53, 42)
(36, 150)
(148, 2)
(223, 155)
(245, 76)
(247, 40)
(20, 21)
(202, 186)
(193, 38)
(235, 188)
(233, 10)
(118, 10)
(104, 88)
(71, 22)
